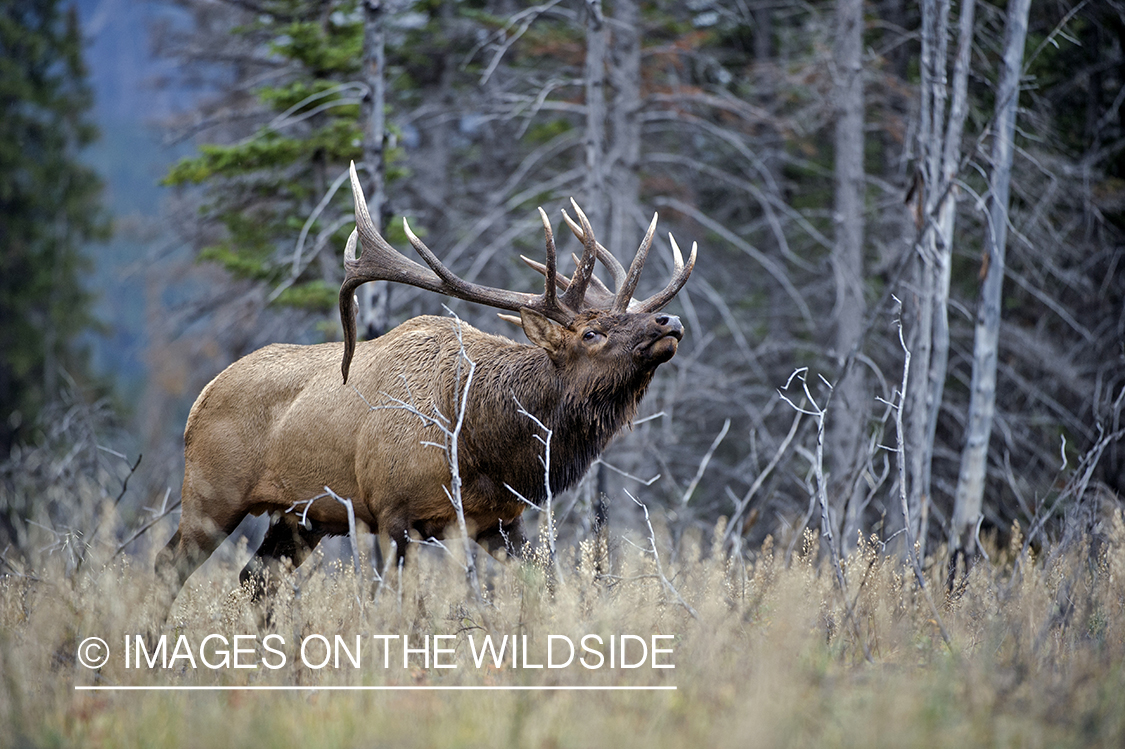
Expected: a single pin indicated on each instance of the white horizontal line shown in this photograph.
(412, 688)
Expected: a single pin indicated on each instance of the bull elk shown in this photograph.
(275, 428)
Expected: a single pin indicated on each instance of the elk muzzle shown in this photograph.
(664, 337)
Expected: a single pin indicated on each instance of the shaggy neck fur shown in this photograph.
(582, 416)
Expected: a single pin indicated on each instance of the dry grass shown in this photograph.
(769, 657)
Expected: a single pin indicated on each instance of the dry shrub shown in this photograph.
(764, 654)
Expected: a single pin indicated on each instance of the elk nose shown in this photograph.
(671, 322)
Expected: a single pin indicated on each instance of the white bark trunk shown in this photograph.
(974, 459)
(625, 77)
(942, 149)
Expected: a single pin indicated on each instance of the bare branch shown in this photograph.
(164, 512)
(912, 553)
(703, 463)
(741, 504)
(656, 558)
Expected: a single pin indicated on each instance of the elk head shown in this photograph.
(590, 315)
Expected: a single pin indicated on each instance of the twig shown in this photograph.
(382, 577)
(740, 505)
(354, 537)
(619, 472)
(124, 487)
(650, 417)
(912, 553)
(524, 18)
(125, 482)
(287, 118)
(703, 463)
(14, 569)
(164, 512)
(451, 433)
(656, 557)
(822, 494)
(1076, 486)
(308, 503)
(452, 439)
(545, 461)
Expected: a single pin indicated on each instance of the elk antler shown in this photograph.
(381, 262)
(599, 297)
(626, 283)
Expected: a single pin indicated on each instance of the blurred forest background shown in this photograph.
(867, 181)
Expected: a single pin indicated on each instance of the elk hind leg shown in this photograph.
(194, 541)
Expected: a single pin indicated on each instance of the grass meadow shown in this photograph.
(764, 653)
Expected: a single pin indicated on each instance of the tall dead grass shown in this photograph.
(764, 654)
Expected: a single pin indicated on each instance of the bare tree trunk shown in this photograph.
(941, 157)
(374, 298)
(625, 77)
(846, 438)
(612, 181)
(929, 339)
(441, 132)
(893, 13)
(762, 15)
(595, 186)
(982, 398)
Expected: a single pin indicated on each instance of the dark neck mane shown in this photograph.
(582, 420)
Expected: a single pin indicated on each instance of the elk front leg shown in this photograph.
(285, 539)
(394, 528)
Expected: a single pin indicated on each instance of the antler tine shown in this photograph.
(380, 261)
(605, 256)
(680, 273)
(546, 303)
(458, 287)
(561, 280)
(347, 305)
(597, 295)
(625, 290)
(576, 292)
(550, 270)
(349, 248)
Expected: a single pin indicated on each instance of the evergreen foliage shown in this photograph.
(49, 207)
(260, 190)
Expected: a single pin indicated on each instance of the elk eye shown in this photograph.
(590, 335)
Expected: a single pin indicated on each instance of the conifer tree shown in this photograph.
(272, 196)
(49, 207)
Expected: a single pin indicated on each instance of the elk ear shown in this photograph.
(541, 331)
